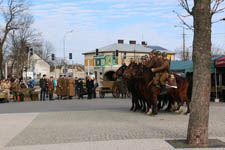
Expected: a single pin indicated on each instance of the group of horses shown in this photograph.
(146, 97)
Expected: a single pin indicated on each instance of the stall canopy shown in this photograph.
(187, 66)
(220, 62)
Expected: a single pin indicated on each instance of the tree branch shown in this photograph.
(185, 5)
(215, 6)
(183, 22)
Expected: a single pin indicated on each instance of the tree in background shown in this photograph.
(202, 13)
(183, 56)
(18, 42)
(45, 51)
(215, 51)
(12, 11)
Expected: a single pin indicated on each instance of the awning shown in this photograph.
(187, 66)
(181, 66)
(220, 62)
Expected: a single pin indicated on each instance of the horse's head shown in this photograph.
(129, 72)
(120, 71)
(139, 71)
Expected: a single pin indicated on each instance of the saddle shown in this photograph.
(171, 82)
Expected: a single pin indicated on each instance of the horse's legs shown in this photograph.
(136, 103)
(180, 106)
(149, 106)
(188, 106)
(155, 104)
(160, 103)
(143, 106)
(132, 107)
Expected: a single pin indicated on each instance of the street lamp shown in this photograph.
(64, 46)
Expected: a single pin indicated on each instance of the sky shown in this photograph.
(97, 23)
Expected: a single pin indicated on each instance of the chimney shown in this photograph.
(120, 41)
(144, 43)
(132, 42)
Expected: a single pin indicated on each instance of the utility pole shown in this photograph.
(184, 53)
(184, 43)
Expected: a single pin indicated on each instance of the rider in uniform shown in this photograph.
(163, 73)
(154, 59)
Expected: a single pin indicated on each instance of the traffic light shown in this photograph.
(125, 55)
(27, 50)
(31, 51)
(117, 53)
(70, 55)
(114, 55)
(96, 52)
(53, 57)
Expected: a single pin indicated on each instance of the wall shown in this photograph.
(38, 66)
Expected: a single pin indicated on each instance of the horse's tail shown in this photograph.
(190, 86)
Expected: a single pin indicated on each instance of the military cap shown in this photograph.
(143, 57)
(158, 53)
(153, 51)
(164, 54)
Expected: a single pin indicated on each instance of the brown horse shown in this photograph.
(143, 76)
(130, 84)
(179, 94)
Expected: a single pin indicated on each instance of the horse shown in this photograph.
(143, 77)
(131, 86)
(179, 94)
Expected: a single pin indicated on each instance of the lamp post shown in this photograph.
(64, 47)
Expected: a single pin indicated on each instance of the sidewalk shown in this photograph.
(14, 124)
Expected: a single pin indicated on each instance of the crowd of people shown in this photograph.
(68, 87)
(64, 88)
(14, 87)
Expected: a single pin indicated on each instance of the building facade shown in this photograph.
(106, 63)
(37, 66)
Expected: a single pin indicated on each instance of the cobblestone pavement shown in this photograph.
(77, 121)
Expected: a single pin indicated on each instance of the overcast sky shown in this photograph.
(97, 23)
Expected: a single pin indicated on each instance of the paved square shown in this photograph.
(95, 121)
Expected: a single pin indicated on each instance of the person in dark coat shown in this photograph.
(43, 86)
(94, 88)
(76, 88)
(89, 86)
(80, 89)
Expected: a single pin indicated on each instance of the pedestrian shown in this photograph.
(30, 83)
(59, 87)
(71, 87)
(94, 88)
(22, 86)
(47, 94)
(64, 87)
(89, 86)
(15, 90)
(80, 89)
(43, 86)
(76, 88)
(6, 85)
(51, 88)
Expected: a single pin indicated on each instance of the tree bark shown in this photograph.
(199, 116)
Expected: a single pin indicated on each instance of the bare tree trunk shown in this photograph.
(198, 122)
(1, 63)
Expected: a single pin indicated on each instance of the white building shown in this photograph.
(38, 66)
